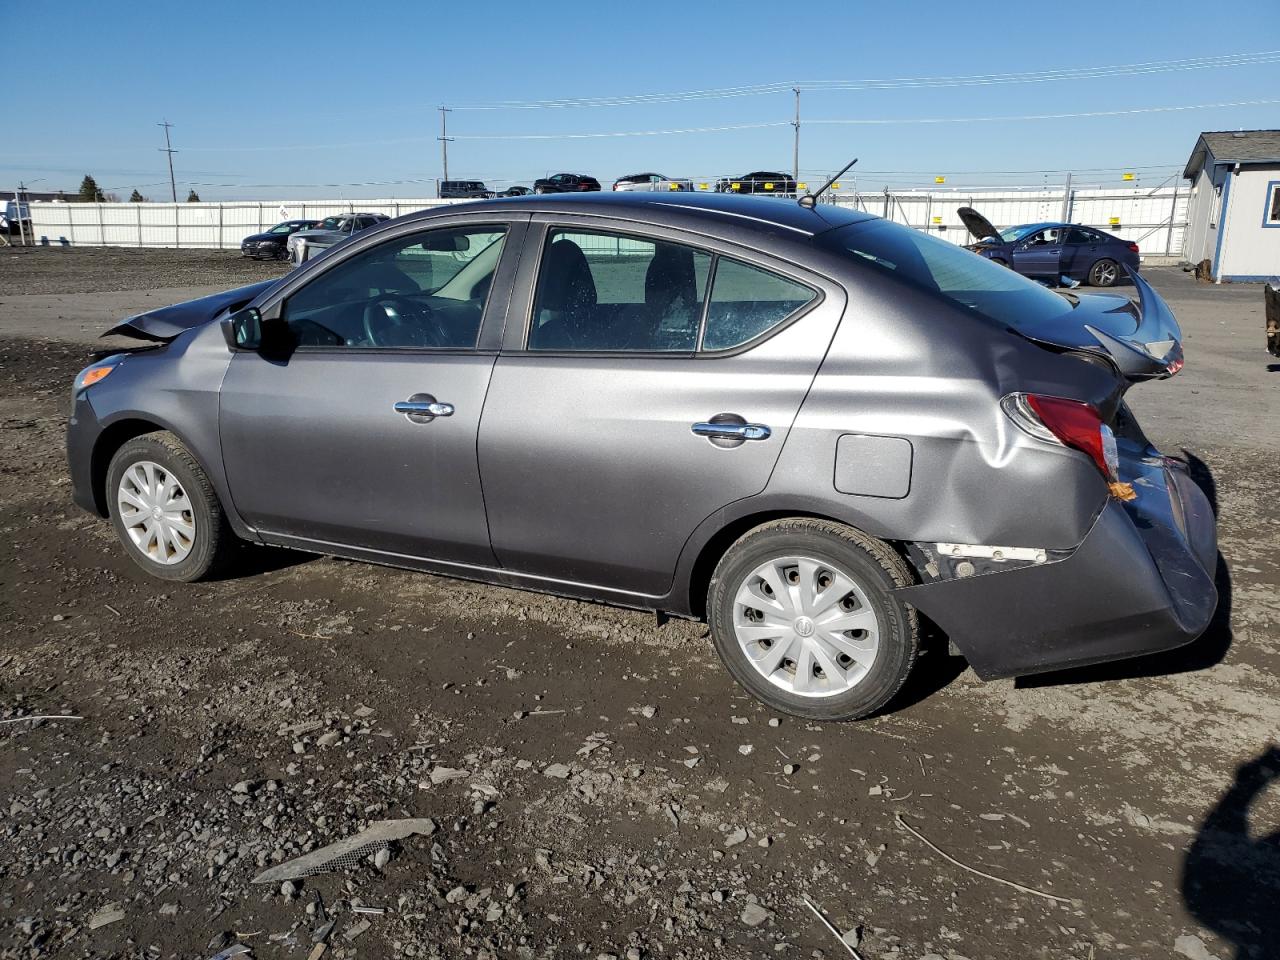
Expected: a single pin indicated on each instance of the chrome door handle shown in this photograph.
(423, 408)
(732, 431)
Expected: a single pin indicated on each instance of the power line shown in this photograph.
(860, 122)
(1039, 76)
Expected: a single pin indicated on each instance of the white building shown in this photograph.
(1234, 213)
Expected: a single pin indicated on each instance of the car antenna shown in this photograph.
(810, 200)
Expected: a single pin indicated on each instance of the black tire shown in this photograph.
(876, 570)
(1104, 273)
(213, 544)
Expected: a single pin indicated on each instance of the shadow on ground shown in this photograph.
(1231, 876)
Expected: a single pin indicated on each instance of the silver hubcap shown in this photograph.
(806, 626)
(1105, 273)
(156, 513)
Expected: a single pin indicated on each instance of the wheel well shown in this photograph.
(714, 549)
(109, 441)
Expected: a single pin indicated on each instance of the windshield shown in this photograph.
(1010, 234)
(947, 271)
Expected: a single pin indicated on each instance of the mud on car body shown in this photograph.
(808, 426)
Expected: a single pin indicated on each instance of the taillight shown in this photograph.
(1133, 248)
(1068, 422)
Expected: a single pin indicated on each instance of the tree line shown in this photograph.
(90, 192)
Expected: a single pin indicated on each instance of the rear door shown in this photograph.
(648, 379)
(1080, 249)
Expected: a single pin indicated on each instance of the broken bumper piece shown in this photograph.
(1142, 581)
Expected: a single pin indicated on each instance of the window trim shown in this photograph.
(492, 319)
(1270, 198)
(744, 255)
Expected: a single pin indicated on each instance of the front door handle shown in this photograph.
(423, 408)
(732, 431)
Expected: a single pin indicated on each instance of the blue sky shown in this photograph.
(313, 97)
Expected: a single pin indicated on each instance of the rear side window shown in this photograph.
(607, 292)
(610, 292)
(947, 271)
(747, 301)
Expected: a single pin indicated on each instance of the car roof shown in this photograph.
(697, 211)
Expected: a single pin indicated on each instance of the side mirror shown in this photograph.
(243, 329)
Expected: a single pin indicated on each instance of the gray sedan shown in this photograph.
(807, 426)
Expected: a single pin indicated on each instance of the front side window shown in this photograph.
(612, 292)
(424, 290)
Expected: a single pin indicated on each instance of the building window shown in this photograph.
(1271, 212)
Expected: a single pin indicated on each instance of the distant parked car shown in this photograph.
(332, 230)
(566, 183)
(516, 191)
(1052, 251)
(761, 181)
(464, 190)
(651, 181)
(11, 221)
(273, 244)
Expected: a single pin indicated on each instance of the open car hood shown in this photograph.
(1143, 340)
(977, 224)
(165, 323)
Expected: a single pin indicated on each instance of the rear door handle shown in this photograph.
(732, 431)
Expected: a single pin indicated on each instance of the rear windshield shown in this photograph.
(947, 271)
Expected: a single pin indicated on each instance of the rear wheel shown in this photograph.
(803, 615)
(165, 511)
(1104, 273)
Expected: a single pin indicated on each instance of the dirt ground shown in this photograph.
(597, 785)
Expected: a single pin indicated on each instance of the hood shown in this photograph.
(1142, 339)
(978, 225)
(164, 324)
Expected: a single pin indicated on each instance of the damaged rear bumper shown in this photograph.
(1142, 581)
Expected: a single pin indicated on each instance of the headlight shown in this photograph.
(98, 371)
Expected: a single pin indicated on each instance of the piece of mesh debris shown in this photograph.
(349, 852)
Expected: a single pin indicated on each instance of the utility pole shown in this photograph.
(795, 149)
(168, 148)
(444, 139)
(22, 227)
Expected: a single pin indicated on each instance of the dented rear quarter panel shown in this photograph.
(907, 366)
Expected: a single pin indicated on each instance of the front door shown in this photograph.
(650, 384)
(1039, 254)
(364, 433)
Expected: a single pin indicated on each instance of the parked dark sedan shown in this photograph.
(515, 191)
(1053, 251)
(804, 425)
(272, 244)
(761, 181)
(566, 183)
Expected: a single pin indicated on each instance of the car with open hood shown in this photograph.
(806, 425)
(1054, 252)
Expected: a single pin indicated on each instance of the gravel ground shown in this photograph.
(597, 787)
(51, 270)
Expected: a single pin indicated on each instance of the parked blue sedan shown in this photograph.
(1053, 252)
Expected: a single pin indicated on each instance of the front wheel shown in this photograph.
(803, 615)
(1104, 273)
(165, 511)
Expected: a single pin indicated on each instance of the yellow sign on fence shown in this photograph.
(937, 219)
(939, 179)
(1114, 221)
(1126, 176)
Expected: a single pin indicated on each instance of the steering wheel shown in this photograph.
(392, 320)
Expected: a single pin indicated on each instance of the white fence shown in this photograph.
(1155, 219)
